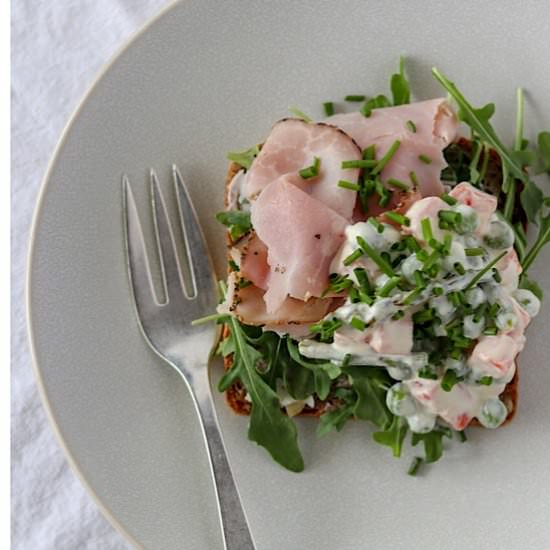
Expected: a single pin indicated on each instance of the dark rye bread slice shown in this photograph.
(236, 394)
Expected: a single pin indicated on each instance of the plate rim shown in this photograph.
(35, 222)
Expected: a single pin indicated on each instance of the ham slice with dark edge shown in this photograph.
(302, 235)
(436, 126)
(291, 146)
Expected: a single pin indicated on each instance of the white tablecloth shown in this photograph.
(58, 47)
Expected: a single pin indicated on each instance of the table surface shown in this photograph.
(58, 47)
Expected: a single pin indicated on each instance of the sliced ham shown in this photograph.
(292, 145)
(302, 235)
(250, 254)
(436, 126)
(248, 305)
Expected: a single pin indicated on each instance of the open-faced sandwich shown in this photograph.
(377, 271)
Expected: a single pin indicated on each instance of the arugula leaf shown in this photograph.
(331, 369)
(531, 198)
(269, 427)
(400, 86)
(299, 381)
(542, 238)
(237, 221)
(433, 444)
(336, 418)
(244, 158)
(478, 120)
(370, 383)
(528, 284)
(543, 152)
(394, 435)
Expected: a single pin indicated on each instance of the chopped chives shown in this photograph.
(370, 186)
(437, 290)
(398, 218)
(397, 183)
(375, 257)
(462, 436)
(355, 98)
(496, 275)
(447, 242)
(480, 274)
(387, 157)
(431, 260)
(425, 159)
(444, 225)
(411, 126)
(369, 153)
(379, 226)
(480, 312)
(435, 244)
(490, 331)
(362, 279)
(328, 106)
(326, 328)
(311, 171)
(476, 251)
(450, 378)
(451, 201)
(426, 226)
(419, 279)
(412, 243)
(411, 296)
(459, 268)
(348, 185)
(358, 324)
(493, 310)
(423, 316)
(385, 199)
(485, 380)
(389, 286)
(413, 178)
(346, 361)
(386, 256)
(454, 299)
(352, 257)
(415, 465)
(449, 216)
(348, 164)
(422, 255)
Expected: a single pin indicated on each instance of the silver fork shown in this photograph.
(166, 327)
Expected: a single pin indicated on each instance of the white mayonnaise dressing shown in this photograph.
(485, 365)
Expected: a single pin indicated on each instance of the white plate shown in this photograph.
(205, 78)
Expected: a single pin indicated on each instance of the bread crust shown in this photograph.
(236, 394)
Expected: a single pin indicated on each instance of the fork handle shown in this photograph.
(235, 529)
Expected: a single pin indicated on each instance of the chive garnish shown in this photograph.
(379, 226)
(397, 183)
(369, 153)
(451, 201)
(352, 257)
(311, 171)
(449, 216)
(389, 286)
(423, 316)
(447, 242)
(375, 257)
(411, 126)
(346, 361)
(462, 436)
(493, 310)
(450, 378)
(431, 260)
(426, 226)
(328, 106)
(476, 251)
(385, 199)
(348, 164)
(413, 178)
(496, 275)
(398, 218)
(387, 157)
(411, 296)
(490, 331)
(419, 279)
(355, 98)
(412, 243)
(326, 328)
(362, 279)
(485, 380)
(415, 465)
(459, 268)
(348, 185)
(358, 324)
(425, 159)
(480, 274)
(437, 290)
